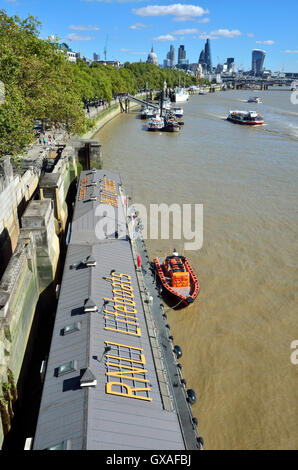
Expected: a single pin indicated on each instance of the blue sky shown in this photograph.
(131, 27)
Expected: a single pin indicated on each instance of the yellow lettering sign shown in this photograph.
(130, 392)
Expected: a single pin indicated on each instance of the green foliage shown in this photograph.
(6, 386)
(40, 84)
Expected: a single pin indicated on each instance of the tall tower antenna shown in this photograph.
(106, 47)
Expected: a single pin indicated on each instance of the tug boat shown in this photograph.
(156, 123)
(170, 123)
(177, 278)
(250, 118)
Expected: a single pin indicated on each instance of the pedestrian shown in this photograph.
(44, 141)
(49, 139)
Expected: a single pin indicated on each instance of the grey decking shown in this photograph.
(89, 417)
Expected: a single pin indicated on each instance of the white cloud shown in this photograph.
(291, 52)
(226, 33)
(204, 20)
(269, 42)
(138, 26)
(179, 11)
(186, 31)
(78, 37)
(112, 1)
(131, 51)
(207, 36)
(250, 35)
(166, 37)
(83, 28)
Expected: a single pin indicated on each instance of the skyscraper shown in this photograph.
(230, 61)
(258, 58)
(202, 59)
(181, 55)
(171, 56)
(208, 55)
(205, 57)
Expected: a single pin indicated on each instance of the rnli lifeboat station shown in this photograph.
(106, 384)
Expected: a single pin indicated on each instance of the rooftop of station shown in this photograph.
(101, 389)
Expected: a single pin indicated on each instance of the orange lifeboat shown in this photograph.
(177, 277)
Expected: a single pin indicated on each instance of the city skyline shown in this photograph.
(92, 26)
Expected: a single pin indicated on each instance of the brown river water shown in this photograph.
(236, 338)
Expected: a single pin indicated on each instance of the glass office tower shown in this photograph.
(258, 58)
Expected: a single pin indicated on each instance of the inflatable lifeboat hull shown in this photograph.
(186, 294)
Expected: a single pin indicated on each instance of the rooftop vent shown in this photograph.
(90, 261)
(88, 379)
(90, 306)
(64, 445)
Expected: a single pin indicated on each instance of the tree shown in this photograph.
(39, 84)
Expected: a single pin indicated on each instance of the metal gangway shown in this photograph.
(128, 97)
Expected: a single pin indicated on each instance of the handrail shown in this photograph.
(138, 100)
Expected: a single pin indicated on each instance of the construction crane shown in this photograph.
(106, 47)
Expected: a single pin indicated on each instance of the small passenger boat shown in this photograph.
(250, 118)
(254, 99)
(177, 277)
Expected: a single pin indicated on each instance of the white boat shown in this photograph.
(194, 89)
(254, 99)
(181, 95)
(249, 118)
(148, 112)
(166, 104)
(177, 111)
(156, 123)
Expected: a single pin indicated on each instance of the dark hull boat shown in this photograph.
(170, 123)
(177, 278)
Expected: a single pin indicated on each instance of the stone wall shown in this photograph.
(15, 191)
(33, 235)
(38, 219)
(19, 293)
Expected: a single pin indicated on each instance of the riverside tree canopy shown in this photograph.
(40, 84)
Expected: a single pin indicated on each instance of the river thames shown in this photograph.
(236, 338)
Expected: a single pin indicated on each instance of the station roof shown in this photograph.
(101, 389)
